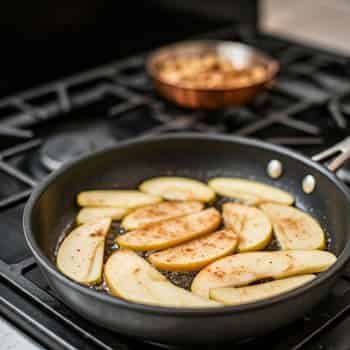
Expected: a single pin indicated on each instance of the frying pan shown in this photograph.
(52, 208)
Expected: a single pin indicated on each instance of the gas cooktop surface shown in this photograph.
(307, 108)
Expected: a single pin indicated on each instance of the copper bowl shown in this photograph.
(211, 98)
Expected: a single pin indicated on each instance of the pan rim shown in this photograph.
(49, 266)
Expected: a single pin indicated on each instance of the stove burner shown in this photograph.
(65, 147)
(32, 165)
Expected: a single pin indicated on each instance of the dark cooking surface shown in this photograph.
(307, 109)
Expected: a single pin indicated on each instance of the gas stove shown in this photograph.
(307, 108)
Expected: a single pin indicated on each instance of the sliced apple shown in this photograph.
(251, 224)
(249, 294)
(159, 212)
(178, 188)
(130, 277)
(87, 215)
(80, 256)
(293, 228)
(116, 198)
(245, 268)
(250, 191)
(195, 254)
(171, 232)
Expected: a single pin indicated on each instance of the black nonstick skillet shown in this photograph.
(316, 189)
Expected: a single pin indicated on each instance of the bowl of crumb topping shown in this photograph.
(210, 74)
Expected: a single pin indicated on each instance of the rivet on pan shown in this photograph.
(274, 168)
(308, 184)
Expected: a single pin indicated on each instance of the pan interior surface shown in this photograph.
(53, 207)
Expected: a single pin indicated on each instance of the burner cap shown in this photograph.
(65, 147)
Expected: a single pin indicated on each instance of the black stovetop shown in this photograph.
(307, 109)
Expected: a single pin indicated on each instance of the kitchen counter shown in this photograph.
(12, 338)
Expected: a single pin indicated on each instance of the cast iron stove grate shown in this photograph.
(307, 108)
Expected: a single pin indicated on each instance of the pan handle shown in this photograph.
(341, 151)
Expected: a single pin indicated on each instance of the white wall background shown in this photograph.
(322, 22)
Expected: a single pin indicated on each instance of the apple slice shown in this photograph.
(195, 254)
(293, 228)
(251, 224)
(116, 198)
(80, 256)
(245, 268)
(159, 212)
(248, 190)
(249, 294)
(178, 188)
(87, 215)
(130, 277)
(171, 232)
